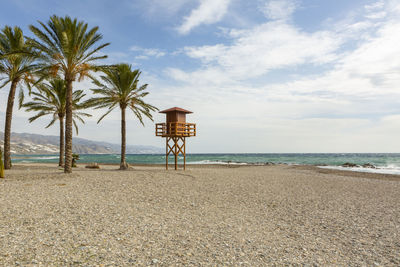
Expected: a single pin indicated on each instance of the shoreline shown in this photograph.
(315, 168)
(382, 163)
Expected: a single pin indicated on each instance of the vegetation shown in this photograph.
(119, 88)
(67, 47)
(50, 99)
(75, 158)
(16, 64)
(64, 51)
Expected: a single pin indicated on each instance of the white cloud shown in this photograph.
(208, 12)
(351, 104)
(376, 11)
(279, 9)
(272, 45)
(280, 45)
(147, 52)
(374, 6)
(376, 15)
(348, 102)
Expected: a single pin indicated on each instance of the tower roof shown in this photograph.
(175, 109)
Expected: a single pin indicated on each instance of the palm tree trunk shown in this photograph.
(1, 164)
(68, 128)
(61, 157)
(7, 128)
(123, 165)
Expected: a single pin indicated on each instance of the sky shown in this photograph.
(261, 76)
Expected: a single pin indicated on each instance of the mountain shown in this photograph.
(26, 143)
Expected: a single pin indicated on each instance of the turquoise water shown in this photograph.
(378, 159)
(388, 163)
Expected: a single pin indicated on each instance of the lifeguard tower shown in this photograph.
(175, 129)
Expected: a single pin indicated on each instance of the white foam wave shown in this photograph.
(47, 157)
(33, 158)
(206, 161)
(390, 169)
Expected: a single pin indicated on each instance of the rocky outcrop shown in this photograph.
(352, 165)
(93, 165)
(349, 165)
(368, 165)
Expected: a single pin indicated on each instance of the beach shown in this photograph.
(207, 215)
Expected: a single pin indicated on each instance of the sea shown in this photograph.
(388, 163)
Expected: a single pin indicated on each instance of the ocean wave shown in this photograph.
(26, 161)
(55, 157)
(390, 169)
(206, 161)
(33, 158)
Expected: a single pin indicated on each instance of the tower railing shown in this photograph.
(176, 129)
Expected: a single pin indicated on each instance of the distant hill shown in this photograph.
(26, 143)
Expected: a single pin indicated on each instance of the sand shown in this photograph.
(207, 215)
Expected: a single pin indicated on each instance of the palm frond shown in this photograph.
(49, 98)
(52, 121)
(67, 46)
(21, 98)
(119, 85)
(105, 114)
(16, 56)
(40, 114)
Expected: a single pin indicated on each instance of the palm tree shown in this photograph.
(49, 99)
(16, 64)
(69, 48)
(119, 87)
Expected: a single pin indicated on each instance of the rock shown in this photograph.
(93, 165)
(349, 165)
(368, 165)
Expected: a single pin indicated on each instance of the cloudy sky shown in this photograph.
(260, 76)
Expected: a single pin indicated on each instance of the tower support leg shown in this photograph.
(175, 149)
(167, 153)
(184, 153)
(176, 152)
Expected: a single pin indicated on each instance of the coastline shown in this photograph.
(387, 163)
(316, 168)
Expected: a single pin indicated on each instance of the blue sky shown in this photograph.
(260, 76)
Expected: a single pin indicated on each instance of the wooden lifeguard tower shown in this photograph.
(175, 129)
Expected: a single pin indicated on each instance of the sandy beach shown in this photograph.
(206, 215)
